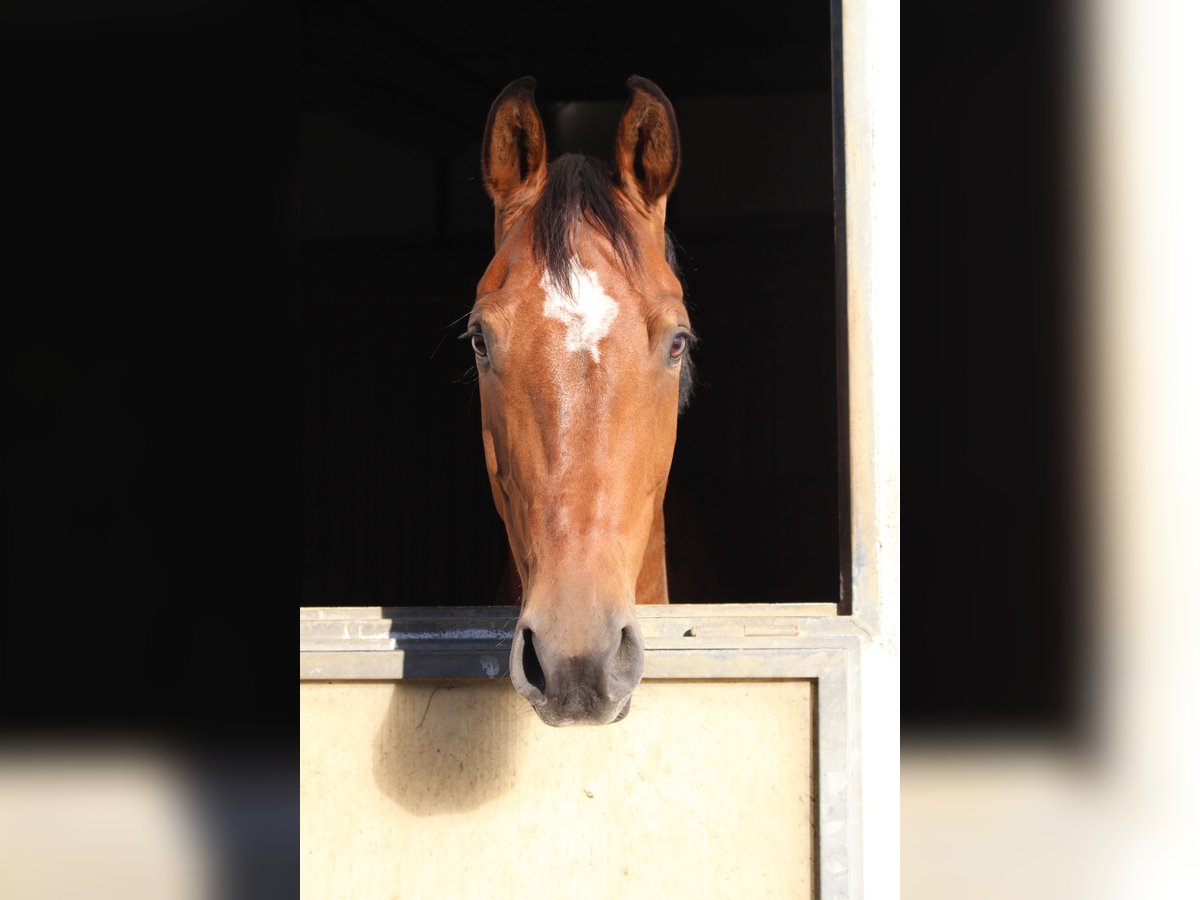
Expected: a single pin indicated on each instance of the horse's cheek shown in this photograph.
(489, 453)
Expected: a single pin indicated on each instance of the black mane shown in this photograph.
(582, 188)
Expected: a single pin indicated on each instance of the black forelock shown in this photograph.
(581, 188)
(578, 188)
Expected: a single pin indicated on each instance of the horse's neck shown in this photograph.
(652, 580)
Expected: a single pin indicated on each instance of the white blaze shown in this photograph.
(587, 312)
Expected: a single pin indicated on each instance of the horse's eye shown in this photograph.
(678, 346)
(479, 345)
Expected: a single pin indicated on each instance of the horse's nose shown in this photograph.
(570, 681)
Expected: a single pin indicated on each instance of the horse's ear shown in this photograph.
(648, 145)
(514, 151)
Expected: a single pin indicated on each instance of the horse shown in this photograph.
(582, 344)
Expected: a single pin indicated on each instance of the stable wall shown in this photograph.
(438, 788)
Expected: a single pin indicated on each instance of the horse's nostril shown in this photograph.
(530, 663)
(627, 651)
(627, 663)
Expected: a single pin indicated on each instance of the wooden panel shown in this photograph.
(445, 789)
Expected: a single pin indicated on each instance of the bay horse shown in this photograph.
(581, 340)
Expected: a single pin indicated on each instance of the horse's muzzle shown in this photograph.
(574, 682)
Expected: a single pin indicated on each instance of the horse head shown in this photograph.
(581, 340)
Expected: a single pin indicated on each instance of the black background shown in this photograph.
(994, 622)
(159, 354)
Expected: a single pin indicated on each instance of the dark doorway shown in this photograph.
(395, 231)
